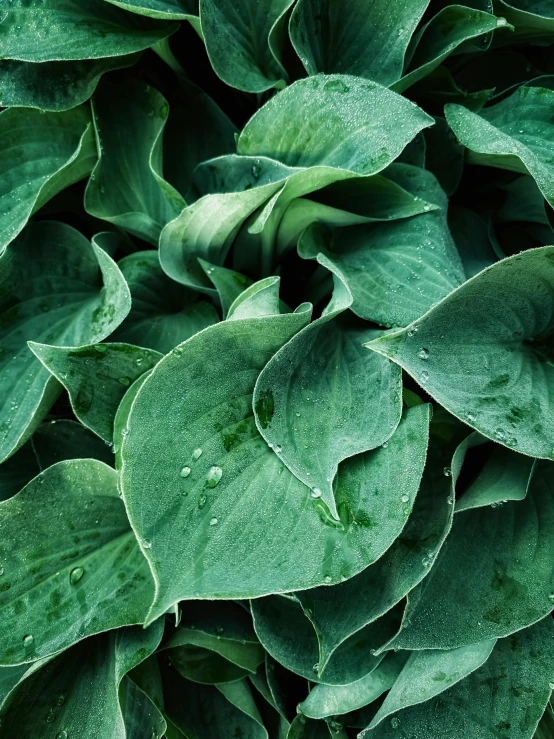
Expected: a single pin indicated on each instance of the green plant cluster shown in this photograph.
(276, 369)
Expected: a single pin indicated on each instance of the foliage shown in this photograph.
(276, 369)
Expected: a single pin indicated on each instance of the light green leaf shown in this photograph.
(28, 178)
(54, 86)
(484, 352)
(336, 121)
(240, 40)
(335, 700)
(396, 270)
(426, 674)
(76, 693)
(214, 474)
(514, 134)
(502, 585)
(163, 313)
(228, 283)
(71, 565)
(57, 30)
(322, 380)
(96, 377)
(504, 697)
(259, 300)
(442, 35)
(289, 637)
(127, 186)
(165, 9)
(57, 289)
(354, 38)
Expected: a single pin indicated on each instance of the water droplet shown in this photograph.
(125, 381)
(146, 544)
(328, 579)
(297, 414)
(28, 641)
(102, 348)
(256, 170)
(413, 331)
(185, 471)
(499, 434)
(426, 207)
(395, 722)
(62, 734)
(75, 575)
(61, 700)
(213, 521)
(124, 432)
(202, 501)
(470, 416)
(214, 476)
(316, 493)
(551, 597)
(405, 498)
(315, 668)
(197, 453)
(385, 444)
(424, 376)
(1, 570)
(277, 448)
(427, 561)
(447, 472)
(423, 353)
(501, 22)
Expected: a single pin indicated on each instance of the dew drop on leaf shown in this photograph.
(28, 640)
(75, 575)
(424, 376)
(185, 471)
(147, 544)
(316, 493)
(423, 353)
(197, 453)
(214, 476)
(213, 521)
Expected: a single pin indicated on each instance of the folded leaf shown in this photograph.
(71, 566)
(484, 352)
(56, 289)
(28, 178)
(56, 30)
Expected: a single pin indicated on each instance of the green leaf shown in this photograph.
(491, 368)
(501, 586)
(28, 179)
(504, 697)
(305, 728)
(163, 313)
(96, 377)
(126, 187)
(61, 439)
(426, 674)
(336, 121)
(333, 700)
(353, 38)
(471, 234)
(70, 564)
(54, 86)
(240, 41)
(289, 637)
(321, 379)
(257, 301)
(165, 9)
(514, 134)
(443, 35)
(76, 693)
(396, 270)
(141, 717)
(57, 30)
(533, 20)
(56, 289)
(228, 283)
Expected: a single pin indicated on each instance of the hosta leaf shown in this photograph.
(56, 289)
(289, 637)
(514, 134)
(426, 674)
(76, 693)
(240, 40)
(259, 300)
(396, 270)
(163, 313)
(96, 377)
(357, 39)
(56, 30)
(54, 86)
(335, 700)
(305, 728)
(533, 20)
(483, 352)
(442, 35)
(502, 585)
(228, 283)
(320, 380)
(336, 121)
(127, 187)
(215, 473)
(141, 717)
(71, 565)
(165, 9)
(28, 178)
(504, 697)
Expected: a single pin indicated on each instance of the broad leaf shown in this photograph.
(514, 134)
(141, 717)
(70, 564)
(502, 585)
(354, 38)
(533, 20)
(165, 9)
(56, 289)
(506, 696)
(28, 178)
(127, 187)
(484, 354)
(240, 41)
(163, 313)
(96, 377)
(228, 283)
(57, 30)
